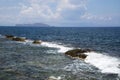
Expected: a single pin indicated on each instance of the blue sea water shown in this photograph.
(24, 60)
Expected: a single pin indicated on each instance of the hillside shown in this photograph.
(34, 25)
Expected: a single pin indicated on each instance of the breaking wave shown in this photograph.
(106, 64)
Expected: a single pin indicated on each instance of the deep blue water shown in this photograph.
(24, 61)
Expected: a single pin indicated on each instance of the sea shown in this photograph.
(47, 61)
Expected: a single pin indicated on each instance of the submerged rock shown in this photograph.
(13, 72)
(37, 42)
(19, 39)
(9, 36)
(78, 53)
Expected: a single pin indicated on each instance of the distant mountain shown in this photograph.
(34, 25)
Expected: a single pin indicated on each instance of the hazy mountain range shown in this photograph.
(34, 25)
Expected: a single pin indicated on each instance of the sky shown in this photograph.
(78, 13)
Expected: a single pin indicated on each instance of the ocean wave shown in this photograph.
(77, 66)
(1, 36)
(106, 64)
(54, 78)
(60, 48)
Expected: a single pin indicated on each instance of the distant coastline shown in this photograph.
(33, 25)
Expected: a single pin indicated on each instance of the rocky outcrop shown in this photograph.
(9, 36)
(22, 39)
(78, 53)
(37, 42)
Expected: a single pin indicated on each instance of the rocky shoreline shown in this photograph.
(75, 53)
(21, 39)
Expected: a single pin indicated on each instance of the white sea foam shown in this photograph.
(61, 48)
(106, 64)
(77, 66)
(1, 36)
(28, 41)
(54, 78)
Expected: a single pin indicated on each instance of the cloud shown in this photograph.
(88, 16)
(56, 12)
(38, 9)
(54, 9)
(59, 11)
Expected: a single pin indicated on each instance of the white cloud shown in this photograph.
(36, 9)
(59, 11)
(47, 10)
(65, 4)
(55, 11)
(88, 16)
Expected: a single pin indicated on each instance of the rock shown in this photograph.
(9, 36)
(78, 53)
(37, 42)
(22, 39)
(119, 66)
(82, 56)
(87, 50)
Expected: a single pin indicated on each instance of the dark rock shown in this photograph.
(9, 36)
(78, 53)
(119, 65)
(87, 50)
(82, 56)
(22, 39)
(37, 42)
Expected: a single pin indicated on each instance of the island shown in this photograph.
(33, 25)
